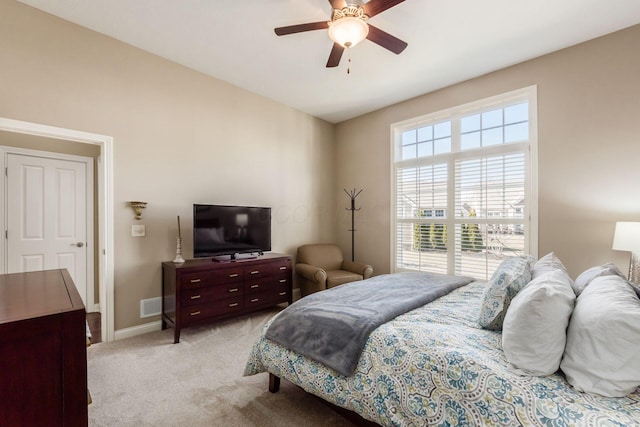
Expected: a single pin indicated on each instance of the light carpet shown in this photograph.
(149, 381)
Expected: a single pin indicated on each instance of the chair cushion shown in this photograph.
(324, 255)
(339, 277)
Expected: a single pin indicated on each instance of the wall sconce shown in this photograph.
(138, 207)
(627, 238)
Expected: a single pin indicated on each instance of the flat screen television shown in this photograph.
(228, 230)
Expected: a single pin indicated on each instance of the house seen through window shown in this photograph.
(463, 186)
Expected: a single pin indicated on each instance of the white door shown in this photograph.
(47, 216)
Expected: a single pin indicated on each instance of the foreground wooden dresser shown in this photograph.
(43, 355)
(205, 290)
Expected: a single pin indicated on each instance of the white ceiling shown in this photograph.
(449, 41)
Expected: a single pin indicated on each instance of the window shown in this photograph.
(463, 186)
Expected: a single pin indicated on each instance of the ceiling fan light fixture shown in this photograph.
(347, 26)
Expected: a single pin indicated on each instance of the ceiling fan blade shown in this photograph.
(337, 4)
(386, 40)
(300, 28)
(374, 7)
(335, 55)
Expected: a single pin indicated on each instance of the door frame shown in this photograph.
(89, 295)
(105, 206)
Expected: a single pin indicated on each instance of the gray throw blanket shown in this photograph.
(332, 326)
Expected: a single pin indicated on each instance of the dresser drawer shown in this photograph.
(202, 294)
(204, 278)
(265, 299)
(217, 308)
(283, 281)
(281, 267)
(257, 272)
(258, 285)
(229, 275)
(271, 269)
(267, 284)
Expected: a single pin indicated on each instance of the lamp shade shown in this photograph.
(627, 237)
(348, 31)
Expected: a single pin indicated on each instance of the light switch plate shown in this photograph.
(137, 230)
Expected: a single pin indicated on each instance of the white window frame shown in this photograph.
(531, 168)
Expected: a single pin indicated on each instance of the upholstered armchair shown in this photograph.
(321, 266)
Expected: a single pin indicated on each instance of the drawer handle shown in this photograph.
(255, 286)
(283, 268)
(233, 290)
(255, 300)
(235, 304)
(195, 297)
(283, 280)
(255, 272)
(195, 280)
(282, 293)
(233, 275)
(195, 313)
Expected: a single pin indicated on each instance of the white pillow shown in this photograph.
(603, 339)
(549, 262)
(535, 326)
(587, 276)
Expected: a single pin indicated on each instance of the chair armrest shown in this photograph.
(365, 270)
(312, 273)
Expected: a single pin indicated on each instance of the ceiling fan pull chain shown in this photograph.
(349, 61)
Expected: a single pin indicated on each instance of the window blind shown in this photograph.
(462, 186)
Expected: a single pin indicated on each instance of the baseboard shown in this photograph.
(133, 331)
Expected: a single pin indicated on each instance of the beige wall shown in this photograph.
(179, 138)
(589, 146)
(52, 145)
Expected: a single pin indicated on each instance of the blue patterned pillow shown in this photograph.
(511, 276)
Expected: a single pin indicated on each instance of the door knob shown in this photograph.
(79, 244)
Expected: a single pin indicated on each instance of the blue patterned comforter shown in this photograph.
(434, 366)
(332, 326)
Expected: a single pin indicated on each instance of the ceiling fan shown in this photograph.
(348, 27)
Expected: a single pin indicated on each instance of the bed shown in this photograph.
(435, 366)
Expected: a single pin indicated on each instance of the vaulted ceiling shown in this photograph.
(448, 41)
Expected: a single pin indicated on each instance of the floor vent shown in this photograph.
(150, 307)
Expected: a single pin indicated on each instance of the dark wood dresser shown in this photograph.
(205, 290)
(43, 355)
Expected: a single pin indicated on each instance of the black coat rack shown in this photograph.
(352, 195)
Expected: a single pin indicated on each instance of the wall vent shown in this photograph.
(150, 307)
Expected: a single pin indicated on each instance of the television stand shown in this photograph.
(199, 290)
